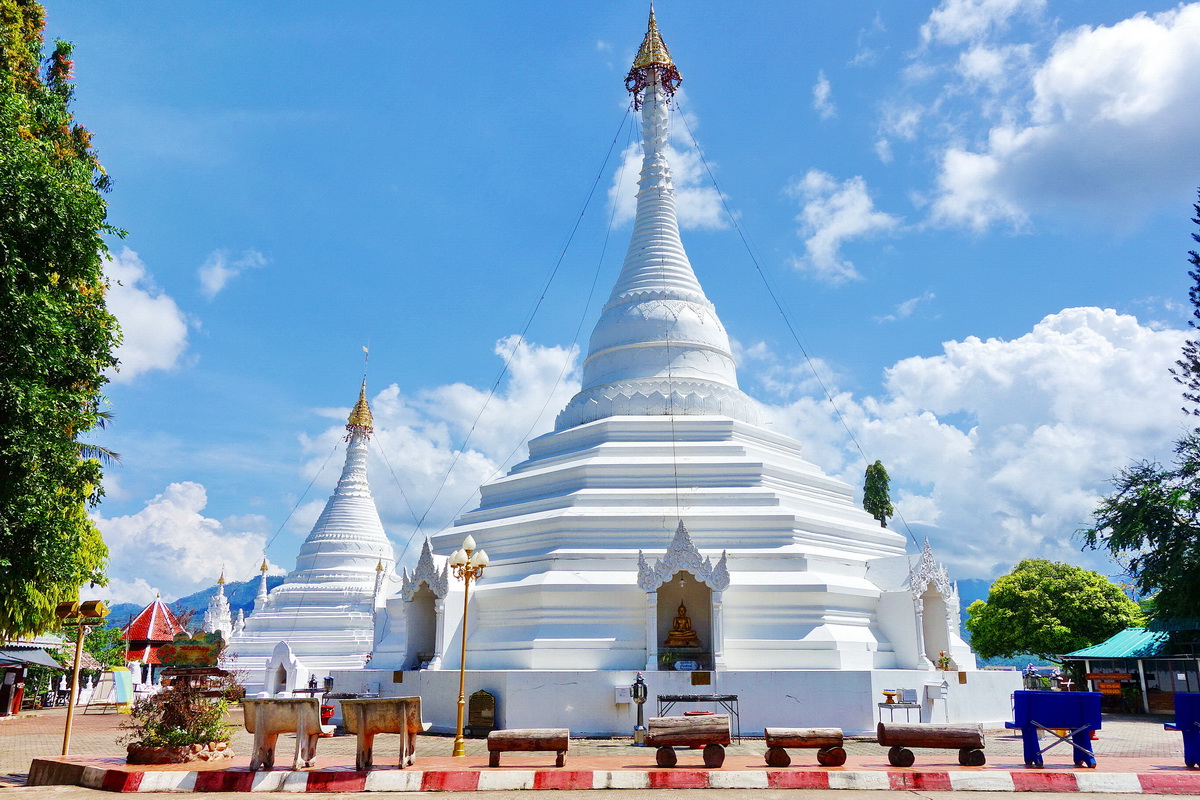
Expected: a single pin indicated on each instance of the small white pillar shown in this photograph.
(439, 616)
(1141, 668)
(651, 630)
(718, 631)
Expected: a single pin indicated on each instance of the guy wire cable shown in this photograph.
(780, 306)
(528, 322)
(297, 505)
(575, 340)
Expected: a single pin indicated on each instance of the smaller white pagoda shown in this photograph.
(322, 617)
(218, 617)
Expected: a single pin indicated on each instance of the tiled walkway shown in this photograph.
(1125, 747)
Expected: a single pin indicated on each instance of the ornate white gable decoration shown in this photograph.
(928, 571)
(426, 572)
(682, 555)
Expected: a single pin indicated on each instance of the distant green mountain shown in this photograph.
(240, 593)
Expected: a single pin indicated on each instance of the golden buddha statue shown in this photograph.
(681, 634)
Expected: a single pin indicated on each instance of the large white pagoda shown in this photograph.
(660, 528)
(322, 617)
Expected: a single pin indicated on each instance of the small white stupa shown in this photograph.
(321, 618)
(660, 528)
(218, 617)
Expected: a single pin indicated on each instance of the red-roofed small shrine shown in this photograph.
(153, 627)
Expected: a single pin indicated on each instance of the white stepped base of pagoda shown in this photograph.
(813, 581)
(586, 702)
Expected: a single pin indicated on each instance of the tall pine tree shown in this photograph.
(1187, 368)
(1150, 523)
(876, 498)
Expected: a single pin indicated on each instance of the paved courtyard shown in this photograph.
(39, 734)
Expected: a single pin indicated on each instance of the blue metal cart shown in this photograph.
(1076, 712)
(1187, 720)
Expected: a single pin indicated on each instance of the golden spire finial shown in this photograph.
(379, 566)
(360, 415)
(221, 580)
(652, 57)
(264, 566)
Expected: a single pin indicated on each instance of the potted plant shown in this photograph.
(178, 724)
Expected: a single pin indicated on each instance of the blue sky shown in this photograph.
(975, 211)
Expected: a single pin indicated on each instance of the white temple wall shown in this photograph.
(584, 619)
(421, 623)
(898, 624)
(578, 624)
(585, 701)
(549, 626)
(391, 635)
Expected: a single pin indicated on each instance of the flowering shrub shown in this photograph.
(178, 716)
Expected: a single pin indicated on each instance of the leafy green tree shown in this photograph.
(1047, 609)
(56, 336)
(1151, 525)
(876, 499)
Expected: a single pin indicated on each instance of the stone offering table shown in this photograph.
(368, 717)
(267, 718)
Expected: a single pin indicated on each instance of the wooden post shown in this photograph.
(80, 632)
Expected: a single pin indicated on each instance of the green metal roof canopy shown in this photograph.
(1129, 643)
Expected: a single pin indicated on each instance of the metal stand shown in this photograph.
(1079, 738)
(638, 692)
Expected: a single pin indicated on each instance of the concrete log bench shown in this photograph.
(266, 718)
(710, 732)
(368, 717)
(967, 738)
(829, 741)
(525, 740)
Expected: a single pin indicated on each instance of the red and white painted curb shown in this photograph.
(411, 780)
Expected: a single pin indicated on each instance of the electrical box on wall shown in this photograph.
(622, 695)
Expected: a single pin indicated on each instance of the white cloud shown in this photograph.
(991, 67)
(1109, 125)
(883, 150)
(220, 268)
(172, 547)
(835, 213)
(697, 203)
(864, 54)
(821, 92)
(902, 121)
(1000, 448)
(958, 21)
(905, 309)
(153, 329)
(137, 590)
